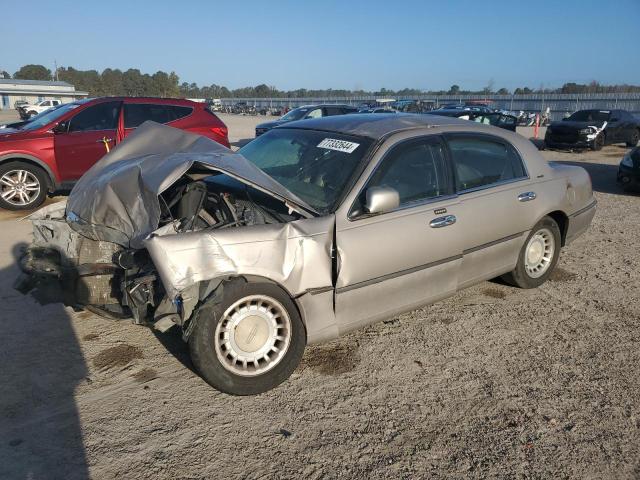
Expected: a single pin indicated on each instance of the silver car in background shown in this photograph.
(310, 231)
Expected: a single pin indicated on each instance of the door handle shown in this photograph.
(102, 140)
(527, 196)
(442, 221)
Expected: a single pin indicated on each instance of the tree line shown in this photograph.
(132, 82)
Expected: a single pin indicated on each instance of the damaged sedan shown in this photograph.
(312, 230)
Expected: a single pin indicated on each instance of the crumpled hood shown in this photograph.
(117, 199)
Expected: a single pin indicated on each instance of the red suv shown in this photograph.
(51, 151)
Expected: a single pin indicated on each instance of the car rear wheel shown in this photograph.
(538, 256)
(22, 186)
(249, 342)
(635, 137)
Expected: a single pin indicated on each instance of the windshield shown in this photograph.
(590, 116)
(49, 116)
(315, 166)
(295, 114)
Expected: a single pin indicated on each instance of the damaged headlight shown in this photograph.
(584, 131)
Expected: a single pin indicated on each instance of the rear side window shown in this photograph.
(103, 116)
(480, 162)
(416, 169)
(137, 113)
(333, 111)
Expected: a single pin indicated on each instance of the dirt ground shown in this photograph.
(496, 382)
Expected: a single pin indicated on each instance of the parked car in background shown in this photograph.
(54, 149)
(629, 170)
(314, 229)
(497, 119)
(593, 129)
(27, 111)
(307, 111)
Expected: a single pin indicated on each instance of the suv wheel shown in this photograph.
(22, 186)
(248, 342)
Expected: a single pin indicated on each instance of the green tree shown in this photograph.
(503, 91)
(33, 72)
(454, 90)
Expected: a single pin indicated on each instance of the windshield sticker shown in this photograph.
(338, 145)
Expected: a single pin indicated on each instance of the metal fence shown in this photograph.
(558, 104)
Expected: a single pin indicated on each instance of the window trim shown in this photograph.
(492, 138)
(449, 180)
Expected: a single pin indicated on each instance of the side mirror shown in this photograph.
(381, 200)
(61, 127)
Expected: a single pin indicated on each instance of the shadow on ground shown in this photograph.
(42, 364)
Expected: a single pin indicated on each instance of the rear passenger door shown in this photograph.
(495, 204)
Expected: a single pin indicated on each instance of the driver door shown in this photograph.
(398, 260)
(83, 142)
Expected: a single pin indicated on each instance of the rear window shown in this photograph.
(137, 113)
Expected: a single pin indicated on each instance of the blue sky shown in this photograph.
(335, 44)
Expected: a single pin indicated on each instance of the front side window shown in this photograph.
(317, 113)
(416, 169)
(103, 116)
(479, 162)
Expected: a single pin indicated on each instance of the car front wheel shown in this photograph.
(248, 342)
(22, 186)
(538, 256)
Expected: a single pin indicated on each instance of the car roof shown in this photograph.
(376, 126)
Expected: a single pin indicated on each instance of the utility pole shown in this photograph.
(55, 69)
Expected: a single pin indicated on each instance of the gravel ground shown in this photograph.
(495, 382)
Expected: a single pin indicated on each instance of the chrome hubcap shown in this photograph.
(539, 253)
(253, 335)
(19, 187)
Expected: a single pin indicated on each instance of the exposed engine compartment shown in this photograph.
(117, 282)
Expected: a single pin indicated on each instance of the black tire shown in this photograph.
(32, 113)
(634, 139)
(598, 142)
(519, 277)
(202, 341)
(37, 172)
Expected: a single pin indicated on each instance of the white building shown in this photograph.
(35, 90)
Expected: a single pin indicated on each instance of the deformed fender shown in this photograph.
(295, 256)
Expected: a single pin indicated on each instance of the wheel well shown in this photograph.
(50, 180)
(563, 223)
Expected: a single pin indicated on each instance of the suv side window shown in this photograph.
(333, 111)
(177, 112)
(315, 113)
(103, 116)
(480, 161)
(415, 168)
(137, 113)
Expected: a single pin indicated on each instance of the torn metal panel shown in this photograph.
(595, 131)
(296, 255)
